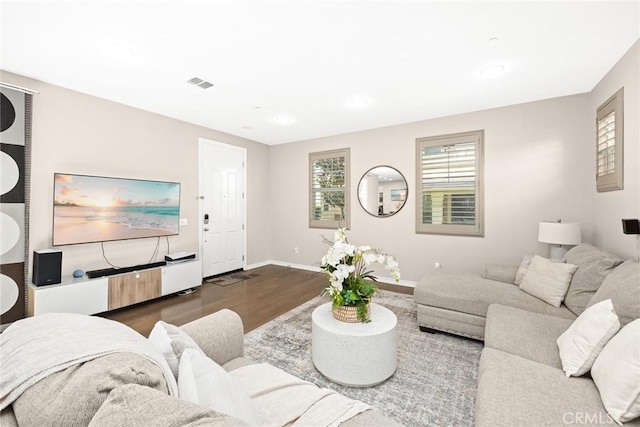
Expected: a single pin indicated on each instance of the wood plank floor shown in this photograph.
(257, 300)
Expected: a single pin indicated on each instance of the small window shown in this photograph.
(449, 174)
(609, 144)
(329, 193)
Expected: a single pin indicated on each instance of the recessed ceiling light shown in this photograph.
(492, 71)
(358, 102)
(284, 119)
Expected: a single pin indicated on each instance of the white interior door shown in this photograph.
(223, 207)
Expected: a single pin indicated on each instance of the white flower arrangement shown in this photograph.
(347, 267)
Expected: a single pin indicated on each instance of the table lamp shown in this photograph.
(558, 234)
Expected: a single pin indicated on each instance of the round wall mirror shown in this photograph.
(382, 191)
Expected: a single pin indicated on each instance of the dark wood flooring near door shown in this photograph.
(257, 300)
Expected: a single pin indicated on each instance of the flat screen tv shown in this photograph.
(90, 209)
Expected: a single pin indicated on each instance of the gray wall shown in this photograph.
(607, 209)
(535, 169)
(539, 165)
(78, 133)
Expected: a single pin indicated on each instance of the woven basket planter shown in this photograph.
(348, 313)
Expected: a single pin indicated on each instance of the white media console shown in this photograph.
(91, 296)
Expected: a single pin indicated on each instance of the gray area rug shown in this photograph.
(434, 385)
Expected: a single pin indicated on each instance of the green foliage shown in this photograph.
(330, 174)
(356, 292)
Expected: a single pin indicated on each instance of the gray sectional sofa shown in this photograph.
(458, 303)
(521, 381)
(122, 388)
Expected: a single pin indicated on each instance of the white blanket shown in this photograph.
(36, 347)
(282, 399)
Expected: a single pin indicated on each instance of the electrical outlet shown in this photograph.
(437, 265)
(184, 221)
(296, 250)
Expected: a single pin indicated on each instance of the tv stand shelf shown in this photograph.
(91, 296)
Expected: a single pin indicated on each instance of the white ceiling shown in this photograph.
(293, 70)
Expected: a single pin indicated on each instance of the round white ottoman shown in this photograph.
(355, 354)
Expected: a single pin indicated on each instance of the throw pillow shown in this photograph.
(172, 342)
(616, 373)
(548, 280)
(594, 266)
(582, 342)
(135, 405)
(522, 270)
(203, 382)
(621, 286)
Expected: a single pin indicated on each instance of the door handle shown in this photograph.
(206, 229)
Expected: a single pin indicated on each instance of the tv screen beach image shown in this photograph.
(97, 209)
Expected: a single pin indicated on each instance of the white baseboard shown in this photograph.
(257, 265)
(388, 280)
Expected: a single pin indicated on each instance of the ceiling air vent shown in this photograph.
(196, 81)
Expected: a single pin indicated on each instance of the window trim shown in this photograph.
(475, 230)
(346, 220)
(615, 180)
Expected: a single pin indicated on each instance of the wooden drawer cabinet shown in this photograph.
(90, 296)
(134, 287)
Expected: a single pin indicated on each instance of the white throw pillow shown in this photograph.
(616, 373)
(522, 270)
(203, 382)
(172, 342)
(548, 280)
(582, 342)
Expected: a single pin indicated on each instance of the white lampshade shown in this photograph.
(560, 233)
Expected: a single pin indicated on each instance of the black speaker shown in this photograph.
(47, 267)
(630, 226)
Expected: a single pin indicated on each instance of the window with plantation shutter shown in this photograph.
(449, 183)
(329, 189)
(609, 144)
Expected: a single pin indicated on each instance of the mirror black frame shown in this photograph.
(404, 202)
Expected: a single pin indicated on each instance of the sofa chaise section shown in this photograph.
(458, 303)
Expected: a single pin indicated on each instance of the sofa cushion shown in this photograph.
(616, 373)
(471, 294)
(621, 286)
(548, 280)
(451, 321)
(525, 334)
(594, 266)
(72, 396)
(203, 382)
(172, 342)
(501, 272)
(586, 337)
(514, 391)
(136, 405)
